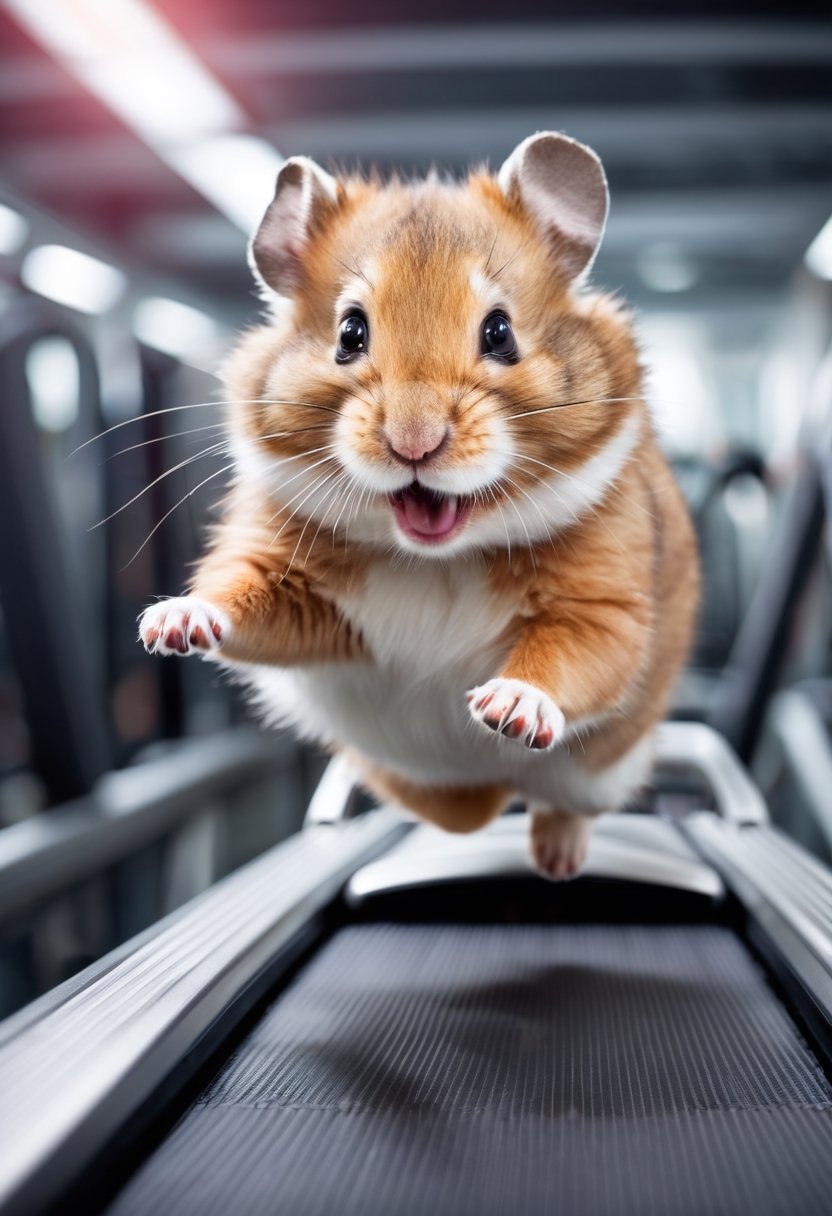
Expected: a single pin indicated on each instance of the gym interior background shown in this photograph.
(138, 148)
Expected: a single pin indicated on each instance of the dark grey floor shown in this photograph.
(435, 1071)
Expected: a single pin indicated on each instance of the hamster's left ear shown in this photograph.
(304, 193)
(562, 186)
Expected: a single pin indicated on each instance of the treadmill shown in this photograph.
(375, 1017)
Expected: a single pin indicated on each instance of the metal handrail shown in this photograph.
(46, 854)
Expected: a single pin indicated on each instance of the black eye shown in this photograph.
(498, 338)
(353, 337)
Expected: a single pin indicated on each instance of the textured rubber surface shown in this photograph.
(435, 1071)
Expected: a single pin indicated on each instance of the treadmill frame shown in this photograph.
(108, 1049)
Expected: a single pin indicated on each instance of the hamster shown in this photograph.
(452, 546)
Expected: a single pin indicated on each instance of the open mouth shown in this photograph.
(428, 516)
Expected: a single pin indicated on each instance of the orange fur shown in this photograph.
(599, 609)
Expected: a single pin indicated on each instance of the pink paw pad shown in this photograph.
(182, 626)
(517, 711)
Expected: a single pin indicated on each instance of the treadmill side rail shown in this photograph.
(70, 1079)
(695, 747)
(787, 897)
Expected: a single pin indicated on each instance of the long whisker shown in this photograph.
(565, 405)
(331, 498)
(546, 523)
(520, 517)
(200, 405)
(212, 426)
(357, 506)
(322, 480)
(299, 541)
(215, 426)
(213, 449)
(353, 490)
(579, 481)
(502, 519)
(167, 514)
(316, 464)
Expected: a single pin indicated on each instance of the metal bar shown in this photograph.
(760, 647)
(697, 748)
(803, 739)
(336, 794)
(71, 1080)
(127, 809)
(787, 895)
(519, 44)
(64, 710)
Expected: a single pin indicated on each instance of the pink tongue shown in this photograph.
(429, 517)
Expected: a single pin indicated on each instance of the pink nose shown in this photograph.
(413, 443)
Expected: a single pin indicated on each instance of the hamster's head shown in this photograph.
(437, 378)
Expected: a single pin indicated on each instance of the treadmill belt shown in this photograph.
(446, 1070)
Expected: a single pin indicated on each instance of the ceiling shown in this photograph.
(715, 127)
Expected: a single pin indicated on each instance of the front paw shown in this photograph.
(519, 711)
(184, 625)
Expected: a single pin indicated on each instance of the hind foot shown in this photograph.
(559, 843)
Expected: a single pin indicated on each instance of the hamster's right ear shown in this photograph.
(303, 195)
(561, 184)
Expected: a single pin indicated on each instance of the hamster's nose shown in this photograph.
(416, 441)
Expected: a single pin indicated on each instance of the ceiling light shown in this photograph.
(54, 383)
(138, 66)
(70, 277)
(13, 230)
(135, 63)
(236, 172)
(819, 254)
(178, 330)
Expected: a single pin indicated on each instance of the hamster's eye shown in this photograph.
(353, 337)
(498, 338)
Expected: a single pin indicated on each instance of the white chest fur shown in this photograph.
(429, 618)
(434, 631)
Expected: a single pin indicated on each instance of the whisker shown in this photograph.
(215, 448)
(353, 490)
(332, 498)
(316, 464)
(565, 405)
(496, 273)
(579, 481)
(167, 514)
(322, 480)
(200, 405)
(502, 519)
(211, 426)
(520, 517)
(546, 522)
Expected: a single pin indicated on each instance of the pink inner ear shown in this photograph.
(280, 244)
(562, 185)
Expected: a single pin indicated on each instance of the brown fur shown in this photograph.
(603, 609)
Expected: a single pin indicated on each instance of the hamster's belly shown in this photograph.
(405, 710)
(433, 634)
(420, 729)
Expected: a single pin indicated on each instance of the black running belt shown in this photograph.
(441, 1071)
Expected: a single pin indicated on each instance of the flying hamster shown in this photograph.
(451, 547)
